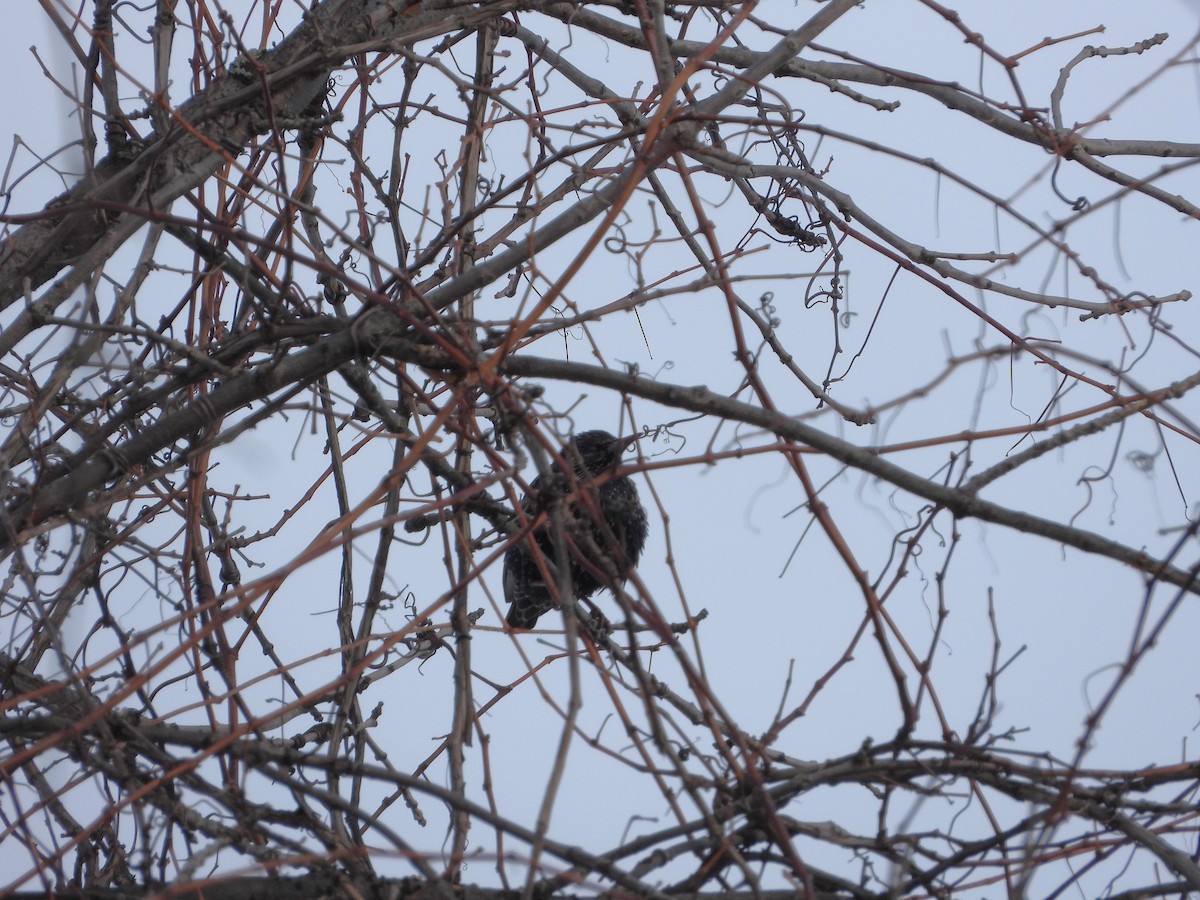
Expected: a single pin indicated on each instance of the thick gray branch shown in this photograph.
(213, 128)
(963, 504)
(951, 95)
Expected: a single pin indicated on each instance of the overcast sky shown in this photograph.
(743, 547)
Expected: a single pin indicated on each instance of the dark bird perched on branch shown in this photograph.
(604, 525)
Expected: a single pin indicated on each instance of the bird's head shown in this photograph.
(596, 452)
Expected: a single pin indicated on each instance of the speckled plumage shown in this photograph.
(618, 540)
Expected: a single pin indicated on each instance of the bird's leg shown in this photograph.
(595, 623)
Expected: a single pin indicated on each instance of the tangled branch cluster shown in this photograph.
(328, 287)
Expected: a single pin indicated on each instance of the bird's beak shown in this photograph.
(622, 444)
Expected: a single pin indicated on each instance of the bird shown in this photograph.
(600, 547)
